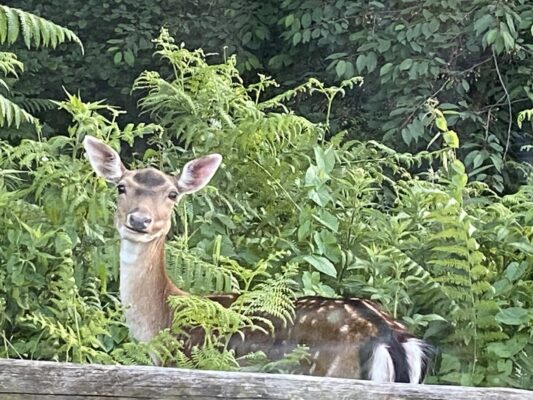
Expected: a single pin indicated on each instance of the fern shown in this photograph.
(291, 363)
(35, 31)
(252, 310)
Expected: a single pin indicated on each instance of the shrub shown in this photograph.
(447, 256)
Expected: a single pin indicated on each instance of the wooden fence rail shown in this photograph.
(20, 379)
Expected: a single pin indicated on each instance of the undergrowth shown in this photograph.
(290, 213)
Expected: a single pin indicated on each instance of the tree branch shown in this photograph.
(508, 104)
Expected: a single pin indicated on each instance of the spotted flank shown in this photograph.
(354, 338)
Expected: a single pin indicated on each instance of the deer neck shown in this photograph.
(145, 287)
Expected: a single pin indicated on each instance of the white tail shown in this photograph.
(382, 369)
(349, 338)
(418, 354)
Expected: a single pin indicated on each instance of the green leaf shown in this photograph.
(117, 58)
(340, 68)
(515, 271)
(289, 20)
(304, 230)
(371, 61)
(336, 56)
(360, 63)
(513, 316)
(297, 38)
(321, 195)
(385, 69)
(492, 35)
(328, 220)
(384, 45)
(508, 348)
(306, 36)
(441, 123)
(63, 243)
(483, 23)
(246, 38)
(406, 64)
(450, 138)
(508, 40)
(478, 160)
(524, 247)
(325, 159)
(306, 20)
(449, 363)
(317, 14)
(129, 58)
(322, 264)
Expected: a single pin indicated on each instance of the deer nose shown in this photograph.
(139, 221)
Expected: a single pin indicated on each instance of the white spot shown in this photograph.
(382, 369)
(414, 351)
(335, 317)
(345, 329)
(302, 320)
(316, 355)
(350, 309)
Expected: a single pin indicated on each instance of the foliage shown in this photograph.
(35, 32)
(411, 52)
(473, 57)
(449, 257)
(117, 43)
(351, 215)
(57, 247)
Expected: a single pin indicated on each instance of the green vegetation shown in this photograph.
(299, 207)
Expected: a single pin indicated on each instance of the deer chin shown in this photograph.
(127, 233)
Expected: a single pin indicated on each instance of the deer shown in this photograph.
(346, 337)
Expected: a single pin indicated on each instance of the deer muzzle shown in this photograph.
(139, 221)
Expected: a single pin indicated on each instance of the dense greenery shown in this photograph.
(298, 208)
(474, 57)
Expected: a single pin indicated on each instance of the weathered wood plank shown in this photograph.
(21, 379)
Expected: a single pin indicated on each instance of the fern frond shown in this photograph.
(274, 297)
(35, 105)
(12, 114)
(9, 64)
(209, 357)
(35, 31)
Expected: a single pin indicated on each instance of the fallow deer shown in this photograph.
(348, 338)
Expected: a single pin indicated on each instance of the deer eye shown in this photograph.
(121, 189)
(173, 195)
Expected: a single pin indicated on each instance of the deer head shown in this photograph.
(146, 197)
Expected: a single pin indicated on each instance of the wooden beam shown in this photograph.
(21, 379)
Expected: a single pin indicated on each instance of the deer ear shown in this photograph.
(197, 173)
(104, 160)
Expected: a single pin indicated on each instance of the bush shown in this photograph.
(447, 256)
